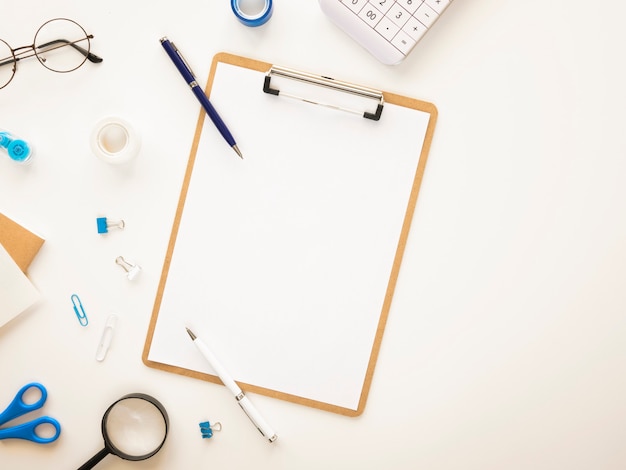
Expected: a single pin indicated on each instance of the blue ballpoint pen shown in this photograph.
(188, 75)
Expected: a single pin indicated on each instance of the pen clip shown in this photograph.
(182, 57)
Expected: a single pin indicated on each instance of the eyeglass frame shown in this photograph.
(15, 58)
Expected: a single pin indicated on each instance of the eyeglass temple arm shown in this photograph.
(90, 55)
(8, 62)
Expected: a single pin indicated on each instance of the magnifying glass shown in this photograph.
(134, 428)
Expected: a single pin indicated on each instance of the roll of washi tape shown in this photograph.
(252, 19)
(114, 140)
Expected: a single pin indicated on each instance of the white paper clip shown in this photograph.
(132, 270)
(107, 337)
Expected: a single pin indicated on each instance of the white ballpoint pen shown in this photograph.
(246, 405)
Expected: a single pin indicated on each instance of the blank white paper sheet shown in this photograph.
(282, 260)
(16, 291)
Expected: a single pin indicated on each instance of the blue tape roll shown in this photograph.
(253, 20)
(5, 139)
(19, 150)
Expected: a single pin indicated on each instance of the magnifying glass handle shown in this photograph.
(94, 460)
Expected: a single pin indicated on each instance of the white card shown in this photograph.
(16, 291)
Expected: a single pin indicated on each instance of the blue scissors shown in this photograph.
(19, 407)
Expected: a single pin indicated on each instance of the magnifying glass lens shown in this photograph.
(135, 427)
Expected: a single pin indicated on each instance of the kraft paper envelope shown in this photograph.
(21, 244)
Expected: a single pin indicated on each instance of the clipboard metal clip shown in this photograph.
(327, 83)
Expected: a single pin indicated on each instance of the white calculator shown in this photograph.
(388, 29)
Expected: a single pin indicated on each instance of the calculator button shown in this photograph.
(382, 5)
(398, 15)
(410, 5)
(371, 15)
(354, 5)
(426, 15)
(415, 29)
(437, 5)
(403, 42)
(387, 28)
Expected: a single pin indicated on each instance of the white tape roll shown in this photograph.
(114, 140)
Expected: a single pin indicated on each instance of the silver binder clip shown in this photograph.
(132, 270)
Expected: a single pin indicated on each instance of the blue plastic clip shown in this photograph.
(80, 311)
(103, 224)
(207, 429)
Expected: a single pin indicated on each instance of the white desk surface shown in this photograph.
(505, 342)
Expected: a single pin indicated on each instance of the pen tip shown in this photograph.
(193, 337)
(236, 149)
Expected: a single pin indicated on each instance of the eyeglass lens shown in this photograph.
(60, 45)
(7, 64)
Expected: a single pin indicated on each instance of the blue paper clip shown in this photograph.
(80, 311)
(207, 429)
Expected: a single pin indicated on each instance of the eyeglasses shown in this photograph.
(50, 48)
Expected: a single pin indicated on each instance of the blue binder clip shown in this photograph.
(207, 429)
(104, 224)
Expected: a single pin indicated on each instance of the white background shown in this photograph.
(505, 342)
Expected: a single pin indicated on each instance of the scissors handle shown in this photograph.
(19, 407)
(28, 431)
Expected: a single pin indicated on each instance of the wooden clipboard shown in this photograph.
(172, 301)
